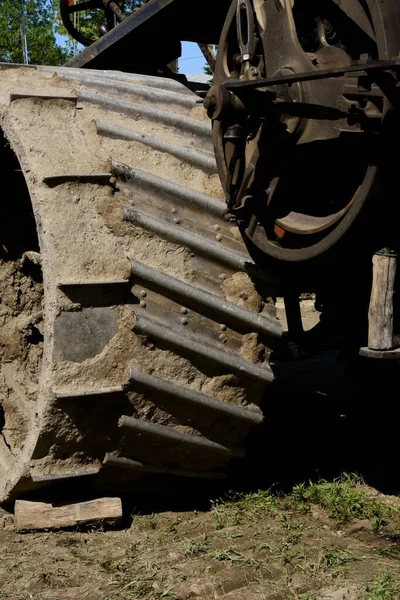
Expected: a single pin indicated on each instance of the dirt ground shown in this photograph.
(335, 539)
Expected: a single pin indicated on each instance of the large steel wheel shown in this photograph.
(299, 172)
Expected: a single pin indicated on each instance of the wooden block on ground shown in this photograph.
(39, 515)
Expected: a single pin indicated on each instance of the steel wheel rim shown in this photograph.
(334, 225)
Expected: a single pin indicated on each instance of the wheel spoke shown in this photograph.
(90, 4)
(356, 16)
(284, 42)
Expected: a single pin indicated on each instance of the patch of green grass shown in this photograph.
(345, 499)
(229, 555)
(235, 507)
(383, 587)
(336, 557)
(261, 500)
(219, 515)
(253, 562)
(289, 556)
(172, 527)
(167, 593)
(292, 535)
(263, 546)
(393, 553)
(195, 548)
(134, 590)
(111, 565)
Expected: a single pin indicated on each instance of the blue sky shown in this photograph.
(192, 61)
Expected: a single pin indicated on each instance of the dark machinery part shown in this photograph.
(70, 12)
(306, 162)
(150, 38)
(159, 19)
(310, 173)
(304, 108)
(299, 104)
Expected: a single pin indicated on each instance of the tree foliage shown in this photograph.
(43, 28)
(40, 18)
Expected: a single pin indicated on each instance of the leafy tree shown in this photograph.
(39, 17)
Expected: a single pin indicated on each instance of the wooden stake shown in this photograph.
(380, 315)
(38, 515)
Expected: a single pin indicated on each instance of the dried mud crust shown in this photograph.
(101, 201)
(21, 316)
(21, 348)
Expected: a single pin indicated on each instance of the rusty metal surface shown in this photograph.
(202, 160)
(360, 68)
(138, 426)
(155, 95)
(212, 305)
(193, 126)
(121, 462)
(94, 75)
(95, 178)
(148, 182)
(94, 394)
(187, 396)
(181, 236)
(43, 97)
(192, 345)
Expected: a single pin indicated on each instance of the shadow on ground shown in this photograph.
(321, 421)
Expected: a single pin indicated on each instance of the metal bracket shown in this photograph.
(359, 69)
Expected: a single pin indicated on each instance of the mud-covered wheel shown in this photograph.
(301, 177)
(134, 344)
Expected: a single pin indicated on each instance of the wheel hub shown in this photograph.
(219, 102)
(292, 92)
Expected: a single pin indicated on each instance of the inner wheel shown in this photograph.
(302, 165)
(78, 18)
